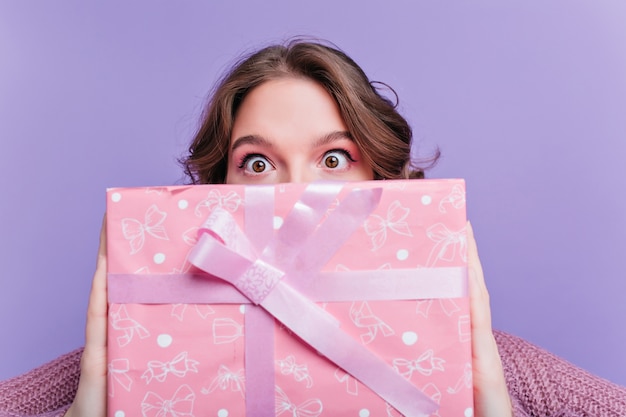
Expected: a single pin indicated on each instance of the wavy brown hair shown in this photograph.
(381, 133)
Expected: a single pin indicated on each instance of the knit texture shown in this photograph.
(46, 391)
(540, 385)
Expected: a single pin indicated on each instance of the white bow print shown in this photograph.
(135, 231)
(309, 408)
(179, 366)
(376, 226)
(180, 405)
(226, 379)
(118, 373)
(121, 321)
(425, 364)
(300, 372)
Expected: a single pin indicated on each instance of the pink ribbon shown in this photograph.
(260, 278)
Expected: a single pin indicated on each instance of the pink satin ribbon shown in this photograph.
(297, 243)
(391, 284)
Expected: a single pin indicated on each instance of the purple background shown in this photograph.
(527, 101)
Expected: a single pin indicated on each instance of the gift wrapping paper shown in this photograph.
(291, 299)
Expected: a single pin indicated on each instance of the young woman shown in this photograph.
(302, 112)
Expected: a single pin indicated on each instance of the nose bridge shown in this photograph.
(298, 172)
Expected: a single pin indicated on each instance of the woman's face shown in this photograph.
(290, 130)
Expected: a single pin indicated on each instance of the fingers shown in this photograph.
(480, 311)
(95, 332)
(491, 396)
(90, 399)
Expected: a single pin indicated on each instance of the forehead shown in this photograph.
(287, 102)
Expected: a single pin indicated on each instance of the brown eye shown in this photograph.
(331, 161)
(258, 166)
(336, 159)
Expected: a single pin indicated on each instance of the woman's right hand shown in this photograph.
(90, 400)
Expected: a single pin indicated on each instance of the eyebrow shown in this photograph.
(261, 141)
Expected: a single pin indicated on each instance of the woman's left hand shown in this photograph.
(491, 397)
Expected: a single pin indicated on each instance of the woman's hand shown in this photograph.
(491, 397)
(90, 400)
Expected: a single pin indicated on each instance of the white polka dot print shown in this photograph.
(164, 340)
(159, 258)
(183, 204)
(409, 338)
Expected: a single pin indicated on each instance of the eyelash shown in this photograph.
(249, 156)
(341, 151)
(244, 160)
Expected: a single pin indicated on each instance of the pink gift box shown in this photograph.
(294, 300)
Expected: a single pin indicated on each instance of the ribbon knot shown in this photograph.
(258, 280)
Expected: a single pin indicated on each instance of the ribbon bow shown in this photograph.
(376, 226)
(362, 316)
(180, 405)
(425, 364)
(179, 366)
(230, 202)
(301, 241)
(226, 379)
(446, 245)
(118, 372)
(135, 231)
(300, 372)
(309, 408)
